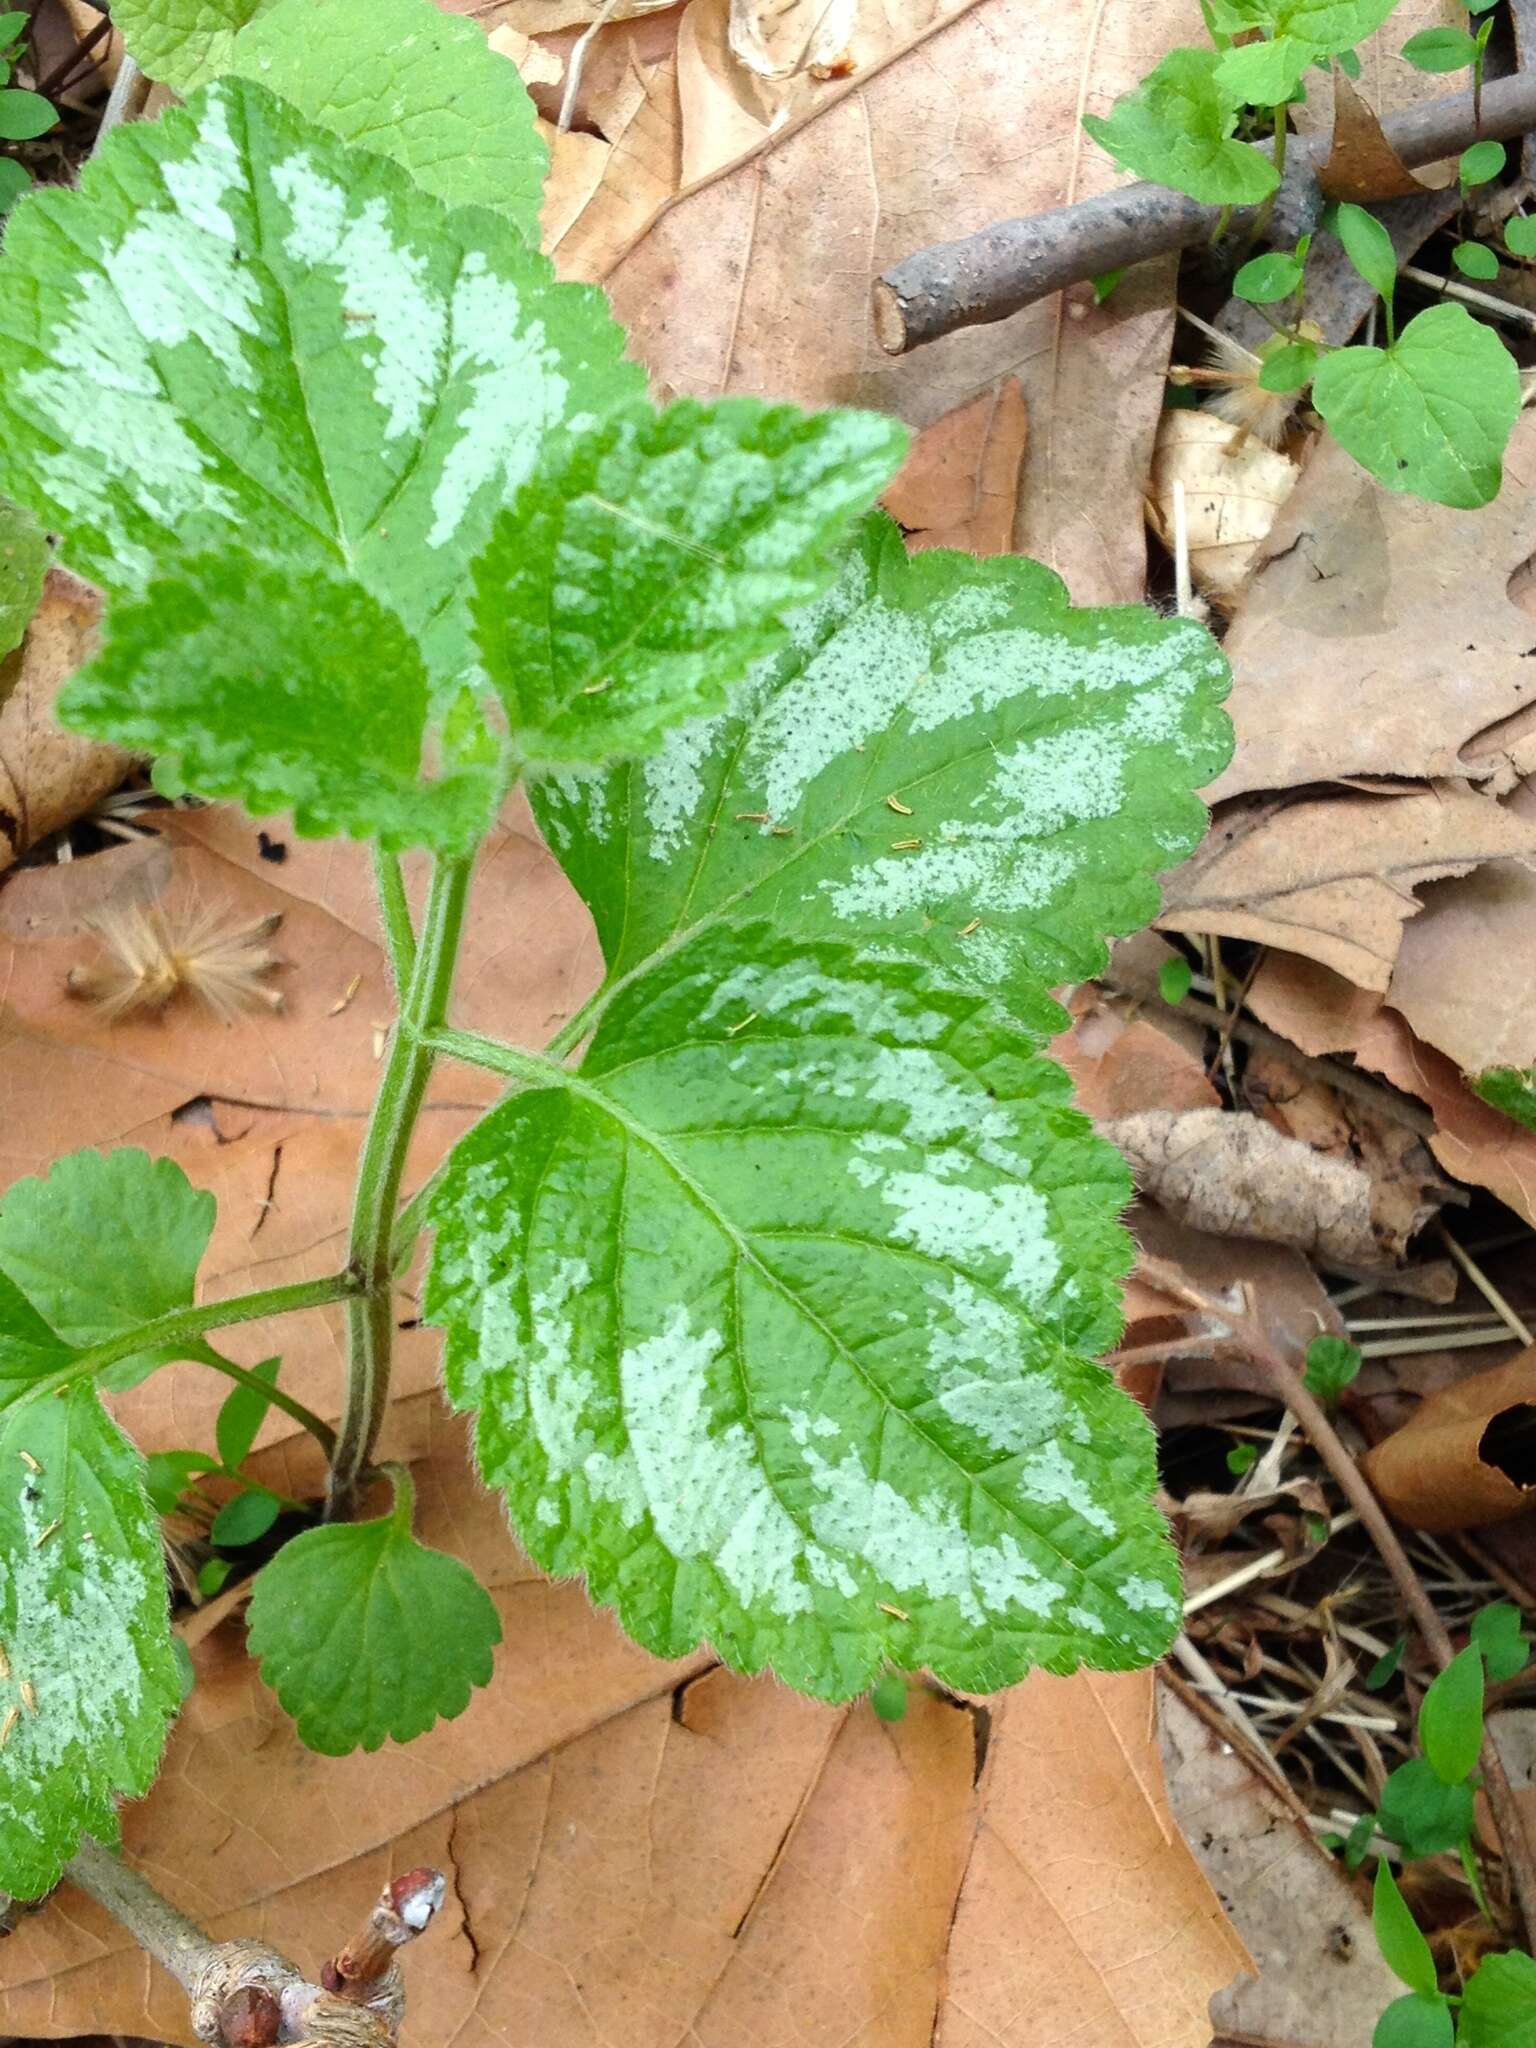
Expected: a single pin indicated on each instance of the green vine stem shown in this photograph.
(395, 913)
(370, 1252)
(274, 1395)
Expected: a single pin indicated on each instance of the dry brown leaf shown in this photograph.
(1121, 1062)
(603, 188)
(668, 1853)
(759, 279)
(1231, 1174)
(1233, 491)
(49, 777)
(1378, 635)
(1332, 878)
(1467, 1456)
(544, 17)
(780, 38)
(1321, 1012)
(538, 65)
(1387, 81)
(1362, 165)
(1465, 974)
(1321, 1977)
(959, 486)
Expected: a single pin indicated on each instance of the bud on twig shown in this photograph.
(365, 1970)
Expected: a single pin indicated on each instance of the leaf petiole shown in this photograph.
(276, 1396)
(395, 915)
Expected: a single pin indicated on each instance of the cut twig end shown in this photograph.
(889, 319)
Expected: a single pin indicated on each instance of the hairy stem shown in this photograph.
(395, 915)
(1519, 1863)
(370, 1252)
(177, 1944)
(295, 1410)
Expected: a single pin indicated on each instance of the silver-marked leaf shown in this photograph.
(405, 79)
(779, 1317)
(296, 355)
(107, 1241)
(91, 1677)
(949, 760)
(23, 565)
(672, 544)
(365, 1634)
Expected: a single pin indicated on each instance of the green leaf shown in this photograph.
(1474, 259)
(1417, 2021)
(1511, 1090)
(107, 1241)
(1043, 760)
(674, 542)
(1440, 49)
(1330, 25)
(1368, 247)
(1498, 1631)
(1332, 1364)
(1421, 1813)
(84, 1622)
(245, 1519)
(23, 565)
(24, 115)
(28, 1347)
(1264, 74)
(779, 1319)
(1264, 279)
(168, 1474)
(183, 42)
(889, 1697)
(1105, 283)
(1520, 234)
(1484, 160)
(1498, 2008)
(1451, 1718)
(242, 1415)
(1177, 126)
(364, 1633)
(13, 27)
(328, 389)
(1289, 367)
(1242, 1458)
(1358, 1841)
(409, 81)
(1432, 414)
(211, 1577)
(1384, 1670)
(1403, 1947)
(14, 180)
(1174, 979)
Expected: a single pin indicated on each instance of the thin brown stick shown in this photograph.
(1324, 1438)
(993, 273)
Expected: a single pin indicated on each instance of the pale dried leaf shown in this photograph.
(780, 38)
(1332, 878)
(49, 777)
(603, 188)
(1232, 1174)
(1465, 975)
(1406, 602)
(537, 65)
(1233, 491)
(959, 486)
(1321, 1979)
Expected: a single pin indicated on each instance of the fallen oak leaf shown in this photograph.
(1362, 165)
(1332, 877)
(959, 486)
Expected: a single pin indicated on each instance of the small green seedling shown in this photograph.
(1332, 1365)
(1175, 978)
(24, 115)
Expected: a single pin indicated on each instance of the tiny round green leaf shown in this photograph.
(1484, 160)
(1174, 979)
(1403, 1948)
(24, 115)
(365, 1634)
(1417, 2021)
(1520, 234)
(1264, 279)
(1290, 367)
(1368, 246)
(1332, 1364)
(1451, 1718)
(1440, 49)
(14, 180)
(211, 1578)
(1421, 1814)
(1498, 1631)
(1475, 259)
(888, 1697)
(245, 1519)
(1242, 1458)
